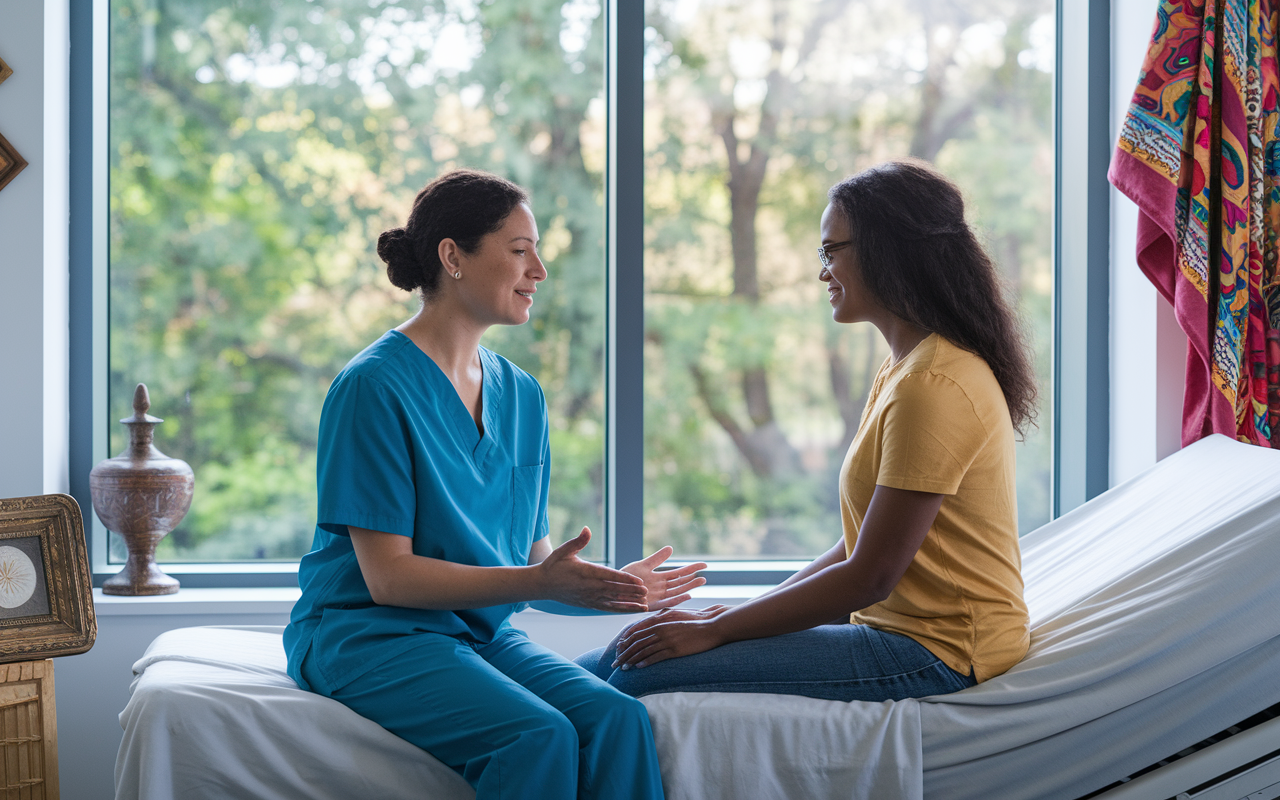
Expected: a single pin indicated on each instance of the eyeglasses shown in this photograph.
(824, 252)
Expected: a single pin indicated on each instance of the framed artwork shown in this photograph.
(46, 593)
(5, 72)
(10, 162)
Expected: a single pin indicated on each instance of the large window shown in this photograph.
(252, 151)
(753, 109)
(256, 151)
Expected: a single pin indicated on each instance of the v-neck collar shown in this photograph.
(481, 445)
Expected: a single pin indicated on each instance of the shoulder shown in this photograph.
(379, 360)
(378, 371)
(950, 379)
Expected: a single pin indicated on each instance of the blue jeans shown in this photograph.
(513, 718)
(829, 662)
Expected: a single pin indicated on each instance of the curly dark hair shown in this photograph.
(463, 205)
(920, 259)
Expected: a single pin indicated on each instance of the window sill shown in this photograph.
(284, 574)
(254, 600)
(728, 594)
(225, 575)
(280, 600)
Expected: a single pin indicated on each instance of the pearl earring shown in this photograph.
(457, 274)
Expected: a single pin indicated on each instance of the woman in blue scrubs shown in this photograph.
(433, 470)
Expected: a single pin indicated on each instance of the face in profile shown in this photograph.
(850, 302)
(499, 279)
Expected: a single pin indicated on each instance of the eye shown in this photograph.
(520, 252)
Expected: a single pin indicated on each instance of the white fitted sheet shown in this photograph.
(1155, 623)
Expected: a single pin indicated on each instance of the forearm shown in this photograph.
(414, 581)
(896, 523)
(566, 610)
(396, 576)
(810, 601)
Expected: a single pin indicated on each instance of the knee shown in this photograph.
(632, 682)
(592, 661)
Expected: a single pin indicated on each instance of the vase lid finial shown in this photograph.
(141, 404)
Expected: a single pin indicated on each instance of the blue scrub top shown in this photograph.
(399, 452)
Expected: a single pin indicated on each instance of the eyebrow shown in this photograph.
(526, 238)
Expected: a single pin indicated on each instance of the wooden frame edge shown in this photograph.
(16, 162)
(71, 627)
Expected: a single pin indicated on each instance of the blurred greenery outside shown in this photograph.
(257, 150)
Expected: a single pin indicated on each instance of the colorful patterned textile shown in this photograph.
(1199, 152)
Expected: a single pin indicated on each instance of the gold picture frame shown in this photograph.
(46, 591)
(11, 163)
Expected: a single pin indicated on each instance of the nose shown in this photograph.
(824, 275)
(540, 270)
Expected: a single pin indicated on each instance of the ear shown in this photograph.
(450, 255)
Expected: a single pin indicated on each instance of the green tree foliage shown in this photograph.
(257, 151)
(753, 110)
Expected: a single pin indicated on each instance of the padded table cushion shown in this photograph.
(1155, 623)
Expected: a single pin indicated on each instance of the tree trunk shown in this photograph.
(764, 445)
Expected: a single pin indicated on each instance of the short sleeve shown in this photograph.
(930, 436)
(364, 468)
(542, 527)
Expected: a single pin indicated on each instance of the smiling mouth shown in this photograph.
(525, 294)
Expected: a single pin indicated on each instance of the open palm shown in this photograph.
(667, 588)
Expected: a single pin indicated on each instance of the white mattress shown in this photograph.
(1154, 624)
(214, 716)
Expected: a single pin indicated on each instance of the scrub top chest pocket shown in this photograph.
(526, 490)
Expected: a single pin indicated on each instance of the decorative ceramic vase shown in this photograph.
(141, 494)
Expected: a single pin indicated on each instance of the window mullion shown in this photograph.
(1081, 298)
(87, 232)
(625, 254)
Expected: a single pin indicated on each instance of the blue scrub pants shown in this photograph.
(830, 662)
(513, 718)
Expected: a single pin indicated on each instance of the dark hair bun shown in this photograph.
(396, 250)
(463, 205)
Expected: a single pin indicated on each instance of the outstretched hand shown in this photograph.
(566, 578)
(667, 588)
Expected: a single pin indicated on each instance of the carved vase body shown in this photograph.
(141, 494)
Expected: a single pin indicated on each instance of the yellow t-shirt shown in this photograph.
(937, 422)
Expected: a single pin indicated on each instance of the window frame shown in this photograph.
(1079, 404)
(1080, 447)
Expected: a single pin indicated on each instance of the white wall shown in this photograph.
(1148, 349)
(33, 251)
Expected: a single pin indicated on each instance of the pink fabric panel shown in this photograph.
(1204, 409)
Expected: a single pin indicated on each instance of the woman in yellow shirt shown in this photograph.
(928, 566)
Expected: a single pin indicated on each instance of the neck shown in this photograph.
(449, 336)
(901, 335)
